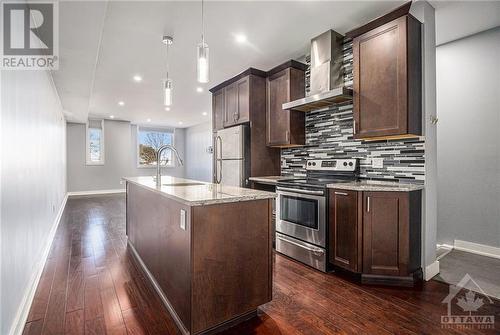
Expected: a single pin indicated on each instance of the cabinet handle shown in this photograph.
(287, 136)
(354, 127)
(340, 193)
(367, 204)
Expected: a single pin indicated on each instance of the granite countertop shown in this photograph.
(198, 193)
(372, 185)
(271, 180)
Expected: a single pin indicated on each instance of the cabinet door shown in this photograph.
(218, 103)
(344, 232)
(243, 111)
(385, 233)
(231, 107)
(380, 81)
(278, 120)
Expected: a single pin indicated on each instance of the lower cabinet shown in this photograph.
(377, 234)
(345, 230)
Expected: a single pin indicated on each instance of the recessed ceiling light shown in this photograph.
(111, 116)
(121, 103)
(240, 38)
(199, 89)
(149, 120)
(137, 78)
(167, 109)
(204, 113)
(180, 122)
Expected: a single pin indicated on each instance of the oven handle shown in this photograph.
(315, 250)
(294, 190)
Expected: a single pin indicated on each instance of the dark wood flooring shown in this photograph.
(91, 285)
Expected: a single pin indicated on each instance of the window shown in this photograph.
(95, 142)
(148, 141)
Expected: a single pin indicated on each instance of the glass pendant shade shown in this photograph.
(202, 62)
(167, 85)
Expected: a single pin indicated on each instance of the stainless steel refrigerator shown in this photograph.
(231, 156)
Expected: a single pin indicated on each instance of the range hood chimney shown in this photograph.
(326, 62)
(327, 77)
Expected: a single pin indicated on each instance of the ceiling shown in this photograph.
(457, 19)
(104, 44)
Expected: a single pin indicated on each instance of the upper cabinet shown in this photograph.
(387, 70)
(218, 108)
(242, 100)
(285, 128)
(238, 99)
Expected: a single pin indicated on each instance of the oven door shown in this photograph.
(302, 215)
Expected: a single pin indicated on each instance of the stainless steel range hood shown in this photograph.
(327, 78)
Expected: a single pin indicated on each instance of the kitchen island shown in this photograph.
(205, 247)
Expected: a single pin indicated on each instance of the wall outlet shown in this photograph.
(377, 163)
(183, 220)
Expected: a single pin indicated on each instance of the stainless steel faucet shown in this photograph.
(158, 155)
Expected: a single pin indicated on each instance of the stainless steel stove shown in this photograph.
(301, 210)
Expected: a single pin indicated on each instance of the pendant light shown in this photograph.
(167, 83)
(202, 53)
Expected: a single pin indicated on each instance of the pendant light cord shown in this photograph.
(202, 23)
(168, 67)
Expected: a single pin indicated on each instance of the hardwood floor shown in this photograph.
(92, 285)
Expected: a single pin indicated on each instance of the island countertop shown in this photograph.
(198, 193)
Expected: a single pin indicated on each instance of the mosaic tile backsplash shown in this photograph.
(329, 135)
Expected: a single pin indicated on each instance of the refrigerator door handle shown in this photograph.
(218, 176)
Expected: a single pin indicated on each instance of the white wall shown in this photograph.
(425, 13)
(468, 90)
(33, 182)
(120, 159)
(198, 160)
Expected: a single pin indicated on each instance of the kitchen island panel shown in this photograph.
(155, 233)
(232, 269)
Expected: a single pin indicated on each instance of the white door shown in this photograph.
(232, 172)
(231, 141)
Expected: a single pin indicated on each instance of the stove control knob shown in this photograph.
(314, 163)
(308, 163)
(350, 163)
(345, 163)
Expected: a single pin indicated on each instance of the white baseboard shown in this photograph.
(24, 308)
(119, 190)
(431, 270)
(476, 248)
(447, 247)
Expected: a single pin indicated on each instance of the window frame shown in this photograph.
(87, 144)
(173, 161)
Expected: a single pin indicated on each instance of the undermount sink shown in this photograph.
(183, 184)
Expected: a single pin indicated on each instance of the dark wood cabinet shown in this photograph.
(376, 234)
(387, 70)
(391, 233)
(345, 229)
(218, 108)
(237, 102)
(242, 100)
(285, 83)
